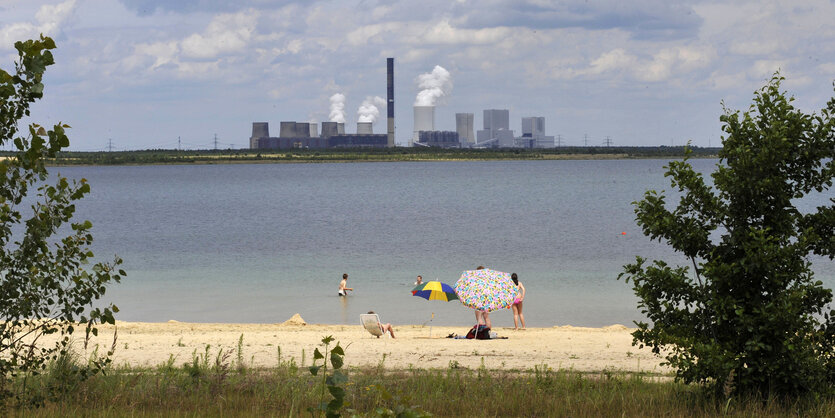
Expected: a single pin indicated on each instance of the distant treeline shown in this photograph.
(168, 156)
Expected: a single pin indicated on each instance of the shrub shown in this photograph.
(749, 316)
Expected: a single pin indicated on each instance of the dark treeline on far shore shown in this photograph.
(168, 156)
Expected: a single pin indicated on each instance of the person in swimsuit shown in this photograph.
(385, 327)
(343, 286)
(419, 280)
(517, 304)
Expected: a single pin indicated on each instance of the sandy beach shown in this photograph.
(561, 347)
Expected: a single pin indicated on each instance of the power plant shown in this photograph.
(434, 86)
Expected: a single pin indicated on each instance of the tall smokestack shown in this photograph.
(390, 93)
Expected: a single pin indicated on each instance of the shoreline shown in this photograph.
(152, 344)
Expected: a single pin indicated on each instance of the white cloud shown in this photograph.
(162, 52)
(764, 69)
(616, 59)
(444, 33)
(227, 33)
(48, 21)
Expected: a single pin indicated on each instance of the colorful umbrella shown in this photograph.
(435, 290)
(486, 290)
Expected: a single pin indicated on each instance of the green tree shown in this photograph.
(749, 315)
(46, 289)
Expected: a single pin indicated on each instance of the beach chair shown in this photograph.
(371, 322)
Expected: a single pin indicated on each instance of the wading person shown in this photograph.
(343, 286)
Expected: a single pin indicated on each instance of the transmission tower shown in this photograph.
(109, 144)
(215, 142)
(586, 139)
(559, 140)
(608, 142)
(179, 144)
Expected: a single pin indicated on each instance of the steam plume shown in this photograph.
(337, 108)
(368, 111)
(433, 86)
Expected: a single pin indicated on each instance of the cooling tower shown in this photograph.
(340, 128)
(288, 130)
(260, 130)
(314, 130)
(424, 120)
(302, 130)
(390, 92)
(364, 128)
(329, 129)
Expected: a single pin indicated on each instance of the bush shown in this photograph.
(749, 317)
(45, 287)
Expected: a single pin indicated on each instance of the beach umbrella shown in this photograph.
(435, 290)
(486, 290)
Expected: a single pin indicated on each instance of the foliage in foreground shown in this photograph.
(751, 316)
(209, 388)
(45, 287)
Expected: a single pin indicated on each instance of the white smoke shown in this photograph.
(337, 108)
(433, 86)
(368, 111)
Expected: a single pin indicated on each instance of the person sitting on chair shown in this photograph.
(384, 327)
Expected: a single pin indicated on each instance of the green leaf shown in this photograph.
(338, 378)
(336, 360)
(317, 354)
(337, 392)
(314, 370)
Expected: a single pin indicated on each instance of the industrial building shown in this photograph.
(533, 134)
(496, 132)
(306, 135)
(302, 135)
(443, 139)
(464, 127)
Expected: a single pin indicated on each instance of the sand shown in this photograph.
(562, 347)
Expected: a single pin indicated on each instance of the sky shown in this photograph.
(146, 74)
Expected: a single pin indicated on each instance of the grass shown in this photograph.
(210, 384)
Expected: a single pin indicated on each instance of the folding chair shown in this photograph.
(371, 322)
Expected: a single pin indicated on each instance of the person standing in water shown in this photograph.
(517, 304)
(343, 286)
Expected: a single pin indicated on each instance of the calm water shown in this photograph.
(258, 243)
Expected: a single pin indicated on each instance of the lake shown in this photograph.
(261, 242)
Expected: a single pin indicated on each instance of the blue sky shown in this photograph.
(142, 73)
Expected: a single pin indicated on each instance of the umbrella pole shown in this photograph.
(430, 324)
